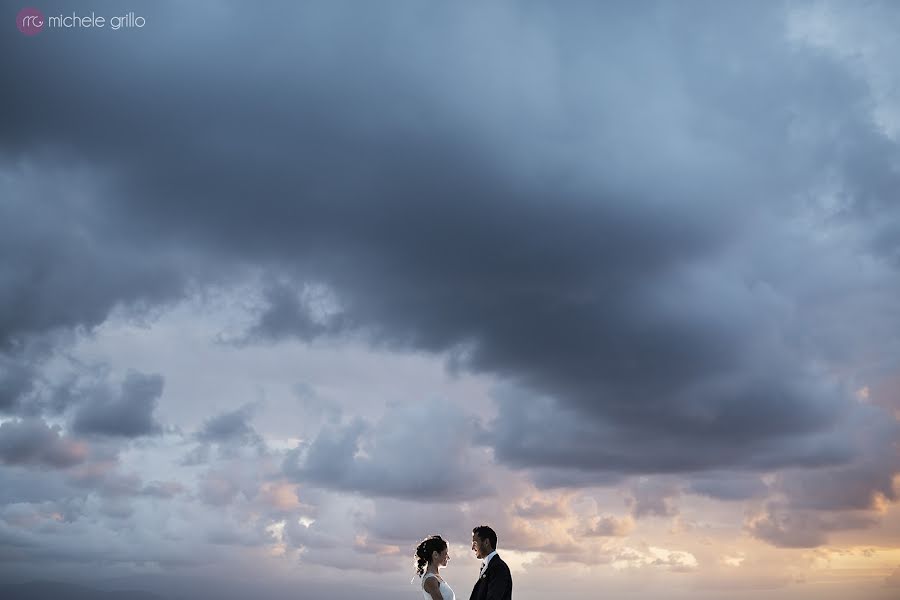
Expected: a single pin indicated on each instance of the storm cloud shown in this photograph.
(627, 261)
(128, 413)
(666, 233)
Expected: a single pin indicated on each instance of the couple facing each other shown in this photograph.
(494, 581)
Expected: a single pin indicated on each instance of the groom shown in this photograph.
(494, 581)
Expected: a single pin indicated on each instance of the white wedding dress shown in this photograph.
(446, 592)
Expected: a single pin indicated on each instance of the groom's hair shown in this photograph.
(486, 533)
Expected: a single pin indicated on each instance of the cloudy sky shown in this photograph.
(287, 286)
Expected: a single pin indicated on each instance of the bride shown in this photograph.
(432, 554)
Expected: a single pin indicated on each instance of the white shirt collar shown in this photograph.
(487, 559)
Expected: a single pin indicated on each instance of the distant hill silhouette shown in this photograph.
(51, 590)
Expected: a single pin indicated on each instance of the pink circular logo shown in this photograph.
(30, 21)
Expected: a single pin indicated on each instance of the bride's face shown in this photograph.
(442, 558)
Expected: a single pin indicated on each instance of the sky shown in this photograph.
(286, 287)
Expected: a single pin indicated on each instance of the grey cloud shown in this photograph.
(330, 456)
(787, 528)
(24, 387)
(609, 526)
(126, 414)
(544, 433)
(811, 504)
(312, 537)
(33, 442)
(653, 497)
(727, 486)
(406, 522)
(230, 432)
(555, 477)
(217, 489)
(316, 408)
(808, 505)
(117, 508)
(343, 550)
(19, 485)
(236, 479)
(340, 537)
(856, 487)
(397, 456)
(106, 480)
(234, 536)
(16, 380)
(538, 509)
(56, 275)
(677, 562)
(198, 455)
(162, 489)
(12, 540)
(610, 254)
(229, 426)
(306, 311)
(61, 395)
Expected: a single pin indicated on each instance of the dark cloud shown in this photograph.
(542, 432)
(555, 477)
(33, 442)
(303, 311)
(230, 434)
(601, 235)
(728, 486)
(228, 426)
(16, 380)
(808, 505)
(857, 485)
(231, 428)
(25, 390)
(129, 413)
(66, 265)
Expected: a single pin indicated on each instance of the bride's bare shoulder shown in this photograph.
(431, 584)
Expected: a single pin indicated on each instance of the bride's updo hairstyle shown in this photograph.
(434, 543)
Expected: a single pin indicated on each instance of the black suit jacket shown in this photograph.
(495, 583)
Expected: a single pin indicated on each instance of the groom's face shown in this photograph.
(481, 547)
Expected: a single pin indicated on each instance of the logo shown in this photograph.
(30, 21)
